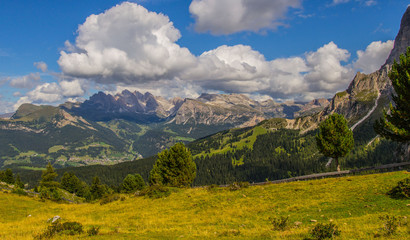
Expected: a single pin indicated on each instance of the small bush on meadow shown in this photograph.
(94, 230)
(238, 185)
(212, 188)
(279, 223)
(402, 190)
(155, 191)
(390, 225)
(109, 198)
(324, 231)
(67, 228)
(51, 194)
(20, 192)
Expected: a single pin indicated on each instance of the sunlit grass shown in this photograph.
(354, 204)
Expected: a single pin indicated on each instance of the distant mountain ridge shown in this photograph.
(210, 109)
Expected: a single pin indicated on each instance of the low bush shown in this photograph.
(324, 231)
(155, 191)
(20, 192)
(94, 230)
(402, 190)
(109, 198)
(280, 223)
(238, 185)
(212, 188)
(67, 228)
(390, 225)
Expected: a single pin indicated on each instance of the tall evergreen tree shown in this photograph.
(395, 125)
(335, 139)
(8, 176)
(174, 167)
(70, 182)
(97, 189)
(18, 182)
(48, 177)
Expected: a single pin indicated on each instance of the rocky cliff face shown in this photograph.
(402, 40)
(236, 110)
(365, 90)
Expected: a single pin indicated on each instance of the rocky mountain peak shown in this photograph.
(402, 40)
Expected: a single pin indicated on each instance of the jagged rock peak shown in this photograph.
(402, 40)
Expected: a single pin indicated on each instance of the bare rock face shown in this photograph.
(363, 93)
(402, 40)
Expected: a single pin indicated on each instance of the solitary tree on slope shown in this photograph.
(335, 139)
(174, 167)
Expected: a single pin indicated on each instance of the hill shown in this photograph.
(354, 204)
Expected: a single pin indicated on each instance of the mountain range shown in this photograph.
(108, 129)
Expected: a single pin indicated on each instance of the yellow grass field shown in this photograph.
(354, 204)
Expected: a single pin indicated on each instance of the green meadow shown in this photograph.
(354, 204)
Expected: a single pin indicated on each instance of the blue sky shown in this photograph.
(52, 51)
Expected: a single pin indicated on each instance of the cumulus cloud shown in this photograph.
(231, 16)
(129, 47)
(72, 88)
(28, 81)
(374, 56)
(326, 71)
(52, 93)
(41, 65)
(126, 43)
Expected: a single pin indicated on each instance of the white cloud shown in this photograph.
(52, 93)
(127, 44)
(72, 88)
(129, 47)
(230, 16)
(41, 65)
(374, 56)
(327, 73)
(28, 81)
(241, 69)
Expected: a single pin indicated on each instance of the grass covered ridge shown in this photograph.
(353, 204)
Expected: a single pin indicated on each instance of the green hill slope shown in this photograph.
(353, 204)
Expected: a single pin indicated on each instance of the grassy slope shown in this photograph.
(352, 203)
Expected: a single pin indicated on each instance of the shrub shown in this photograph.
(109, 198)
(212, 188)
(280, 223)
(155, 191)
(402, 190)
(50, 193)
(238, 185)
(390, 224)
(324, 231)
(20, 192)
(94, 230)
(68, 228)
(132, 183)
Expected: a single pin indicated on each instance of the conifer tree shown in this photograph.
(174, 167)
(48, 177)
(335, 139)
(8, 176)
(395, 125)
(18, 182)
